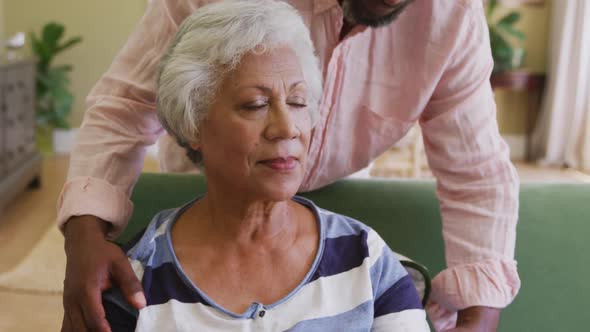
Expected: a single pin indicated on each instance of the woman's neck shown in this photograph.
(244, 222)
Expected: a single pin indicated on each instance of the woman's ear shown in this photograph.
(196, 143)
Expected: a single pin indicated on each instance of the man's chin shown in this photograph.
(357, 13)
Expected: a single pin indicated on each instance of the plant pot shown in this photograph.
(63, 140)
(517, 59)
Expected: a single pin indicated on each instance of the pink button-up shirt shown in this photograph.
(431, 65)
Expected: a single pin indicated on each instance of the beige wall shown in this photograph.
(512, 105)
(104, 25)
(2, 23)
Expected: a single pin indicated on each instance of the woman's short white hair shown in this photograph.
(210, 43)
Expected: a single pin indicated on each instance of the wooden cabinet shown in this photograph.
(20, 163)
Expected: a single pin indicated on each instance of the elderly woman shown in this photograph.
(239, 88)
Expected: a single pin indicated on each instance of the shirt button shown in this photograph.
(261, 313)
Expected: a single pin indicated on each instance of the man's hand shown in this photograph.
(477, 319)
(94, 265)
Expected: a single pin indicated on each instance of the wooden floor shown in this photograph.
(22, 224)
(31, 214)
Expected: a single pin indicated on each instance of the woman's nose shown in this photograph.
(281, 124)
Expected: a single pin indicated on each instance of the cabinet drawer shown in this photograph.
(16, 117)
(28, 108)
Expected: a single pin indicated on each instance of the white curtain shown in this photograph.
(562, 135)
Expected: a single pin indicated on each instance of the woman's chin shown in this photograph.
(277, 185)
(278, 190)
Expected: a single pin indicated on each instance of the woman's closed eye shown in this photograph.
(298, 105)
(255, 106)
(297, 102)
(260, 106)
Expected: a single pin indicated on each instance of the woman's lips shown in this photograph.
(281, 164)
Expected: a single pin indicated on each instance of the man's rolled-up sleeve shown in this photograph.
(477, 185)
(120, 122)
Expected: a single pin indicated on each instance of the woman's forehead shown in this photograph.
(281, 62)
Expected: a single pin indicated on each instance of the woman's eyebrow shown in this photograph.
(268, 89)
(294, 85)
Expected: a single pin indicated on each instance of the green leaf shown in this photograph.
(497, 40)
(35, 44)
(41, 89)
(501, 49)
(41, 51)
(509, 19)
(511, 31)
(44, 80)
(64, 68)
(62, 124)
(59, 94)
(70, 43)
(52, 33)
(58, 77)
(59, 72)
(64, 107)
(492, 7)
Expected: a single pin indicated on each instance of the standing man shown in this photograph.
(386, 64)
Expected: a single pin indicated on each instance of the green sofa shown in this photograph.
(551, 249)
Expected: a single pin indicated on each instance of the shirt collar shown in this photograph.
(320, 6)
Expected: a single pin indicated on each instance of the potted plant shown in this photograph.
(54, 99)
(506, 55)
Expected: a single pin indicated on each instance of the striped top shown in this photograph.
(355, 283)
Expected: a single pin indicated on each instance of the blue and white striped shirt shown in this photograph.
(356, 283)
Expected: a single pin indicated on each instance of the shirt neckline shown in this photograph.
(254, 307)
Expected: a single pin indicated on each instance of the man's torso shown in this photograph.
(377, 82)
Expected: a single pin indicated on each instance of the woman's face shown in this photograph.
(255, 138)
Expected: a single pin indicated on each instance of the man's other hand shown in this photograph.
(93, 266)
(477, 319)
